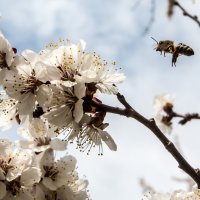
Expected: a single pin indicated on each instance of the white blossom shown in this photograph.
(6, 56)
(18, 175)
(2, 190)
(57, 173)
(104, 77)
(67, 192)
(8, 111)
(22, 187)
(90, 133)
(66, 105)
(164, 127)
(40, 135)
(176, 195)
(161, 102)
(25, 83)
(13, 161)
(63, 63)
(69, 64)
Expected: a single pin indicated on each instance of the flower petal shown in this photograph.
(108, 140)
(58, 145)
(30, 176)
(44, 95)
(3, 190)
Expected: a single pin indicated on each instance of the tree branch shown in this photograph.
(187, 117)
(128, 111)
(185, 13)
(152, 18)
(168, 109)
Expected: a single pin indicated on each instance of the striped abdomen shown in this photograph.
(181, 49)
(184, 50)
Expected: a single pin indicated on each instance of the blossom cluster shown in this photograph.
(51, 95)
(176, 195)
(26, 175)
(58, 86)
(163, 105)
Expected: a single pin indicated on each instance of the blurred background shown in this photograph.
(121, 31)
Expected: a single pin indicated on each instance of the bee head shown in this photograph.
(159, 44)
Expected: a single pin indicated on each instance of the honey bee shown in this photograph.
(169, 46)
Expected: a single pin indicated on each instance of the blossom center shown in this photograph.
(3, 63)
(50, 172)
(14, 186)
(89, 138)
(67, 74)
(71, 99)
(5, 164)
(31, 84)
(42, 141)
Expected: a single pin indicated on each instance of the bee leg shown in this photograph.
(173, 64)
(174, 59)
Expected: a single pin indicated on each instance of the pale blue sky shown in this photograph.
(113, 30)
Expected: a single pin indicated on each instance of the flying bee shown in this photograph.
(169, 46)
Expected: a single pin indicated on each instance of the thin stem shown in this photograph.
(128, 111)
(185, 13)
(186, 118)
(152, 17)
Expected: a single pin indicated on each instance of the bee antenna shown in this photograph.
(154, 40)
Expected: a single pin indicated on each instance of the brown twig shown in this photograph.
(187, 117)
(152, 17)
(128, 111)
(136, 4)
(185, 13)
(170, 114)
(170, 10)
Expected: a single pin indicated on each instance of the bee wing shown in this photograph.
(154, 46)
